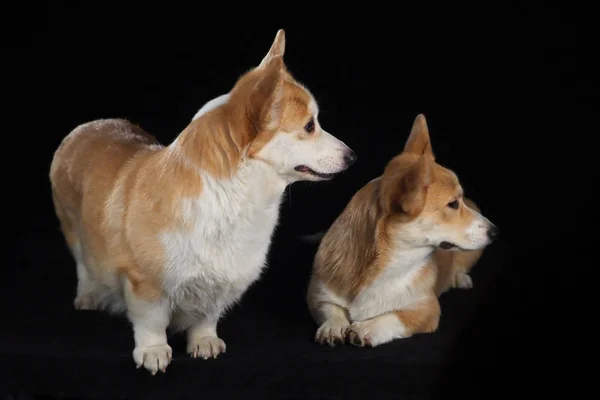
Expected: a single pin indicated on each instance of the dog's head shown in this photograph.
(426, 199)
(281, 118)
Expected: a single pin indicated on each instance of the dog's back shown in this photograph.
(94, 149)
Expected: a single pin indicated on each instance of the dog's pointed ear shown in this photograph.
(414, 186)
(418, 141)
(265, 108)
(277, 48)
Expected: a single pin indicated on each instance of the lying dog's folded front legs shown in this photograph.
(149, 316)
(421, 317)
(333, 324)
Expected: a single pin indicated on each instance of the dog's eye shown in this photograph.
(453, 204)
(310, 126)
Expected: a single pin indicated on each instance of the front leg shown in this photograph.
(149, 314)
(421, 317)
(333, 324)
(202, 339)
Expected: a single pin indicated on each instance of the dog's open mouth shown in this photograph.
(307, 170)
(448, 245)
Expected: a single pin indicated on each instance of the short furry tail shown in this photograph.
(313, 237)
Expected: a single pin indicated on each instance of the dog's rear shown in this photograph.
(83, 172)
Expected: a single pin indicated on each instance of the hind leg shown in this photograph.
(462, 265)
(454, 266)
(89, 292)
(463, 262)
(86, 289)
(84, 299)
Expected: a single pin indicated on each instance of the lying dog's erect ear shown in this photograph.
(413, 188)
(277, 48)
(265, 108)
(418, 141)
(406, 181)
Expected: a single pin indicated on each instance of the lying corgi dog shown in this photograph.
(174, 235)
(402, 240)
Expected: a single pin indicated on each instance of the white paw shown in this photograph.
(376, 331)
(153, 358)
(332, 333)
(463, 281)
(84, 302)
(206, 347)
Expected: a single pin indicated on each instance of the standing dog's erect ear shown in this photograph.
(418, 142)
(277, 48)
(265, 109)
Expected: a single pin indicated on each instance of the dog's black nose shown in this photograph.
(350, 157)
(493, 232)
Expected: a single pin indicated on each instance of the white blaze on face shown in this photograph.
(476, 234)
(428, 230)
(472, 237)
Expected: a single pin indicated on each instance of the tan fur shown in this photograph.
(146, 178)
(87, 165)
(360, 244)
(234, 128)
(357, 227)
(129, 206)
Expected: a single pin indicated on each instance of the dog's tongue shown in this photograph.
(302, 168)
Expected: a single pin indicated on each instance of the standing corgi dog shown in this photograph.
(403, 239)
(174, 235)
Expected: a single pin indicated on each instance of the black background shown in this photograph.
(496, 84)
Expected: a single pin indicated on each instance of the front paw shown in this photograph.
(153, 358)
(375, 332)
(332, 333)
(463, 281)
(359, 335)
(206, 347)
(84, 302)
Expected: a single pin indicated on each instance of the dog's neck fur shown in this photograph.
(406, 257)
(215, 152)
(407, 253)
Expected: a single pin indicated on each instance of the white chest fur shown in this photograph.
(210, 266)
(393, 288)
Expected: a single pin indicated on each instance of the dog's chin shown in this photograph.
(312, 175)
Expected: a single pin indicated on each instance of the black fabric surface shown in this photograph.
(496, 83)
(48, 347)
